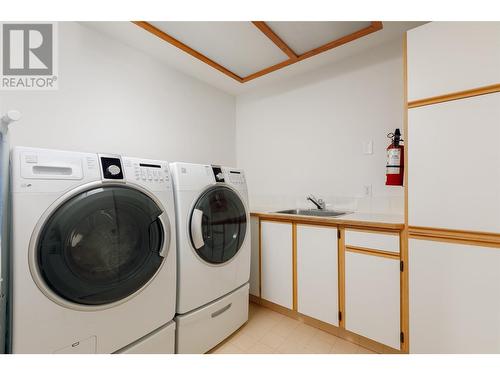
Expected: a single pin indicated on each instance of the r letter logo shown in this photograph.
(28, 56)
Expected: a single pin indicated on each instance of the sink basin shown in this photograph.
(312, 212)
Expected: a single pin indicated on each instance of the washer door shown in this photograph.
(101, 246)
(218, 224)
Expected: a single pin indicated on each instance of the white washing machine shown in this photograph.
(93, 264)
(213, 254)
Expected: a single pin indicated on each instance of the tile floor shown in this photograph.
(268, 332)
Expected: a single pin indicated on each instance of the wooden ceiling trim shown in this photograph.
(177, 43)
(374, 26)
(264, 28)
(267, 31)
(268, 70)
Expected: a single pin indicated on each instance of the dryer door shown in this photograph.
(218, 224)
(101, 246)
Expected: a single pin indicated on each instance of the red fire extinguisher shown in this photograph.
(395, 160)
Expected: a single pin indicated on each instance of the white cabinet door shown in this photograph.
(254, 258)
(454, 298)
(446, 57)
(277, 277)
(372, 299)
(317, 273)
(454, 164)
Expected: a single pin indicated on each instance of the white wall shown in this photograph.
(302, 136)
(306, 135)
(113, 98)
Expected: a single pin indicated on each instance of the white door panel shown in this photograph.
(446, 57)
(276, 248)
(317, 272)
(454, 298)
(454, 164)
(372, 297)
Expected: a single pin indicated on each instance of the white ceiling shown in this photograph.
(302, 37)
(237, 46)
(218, 39)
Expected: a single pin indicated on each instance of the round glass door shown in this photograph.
(101, 245)
(218, 225)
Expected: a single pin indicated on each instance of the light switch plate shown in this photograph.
(368, 147)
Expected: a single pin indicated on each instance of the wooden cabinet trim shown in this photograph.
(294, 267)
(260, 257)
(455, 96)
(375, 231)
(273, 219)
(341, 272)
(403, 236)
(331, 222)
(405, 125)
(456, 236)
(404, 292)
(372, 252)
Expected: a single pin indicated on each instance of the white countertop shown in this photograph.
(355, 217)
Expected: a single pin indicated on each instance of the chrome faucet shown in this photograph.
(320, 203)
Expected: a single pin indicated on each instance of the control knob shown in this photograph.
(113, 170)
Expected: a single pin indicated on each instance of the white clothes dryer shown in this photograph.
(213, 254)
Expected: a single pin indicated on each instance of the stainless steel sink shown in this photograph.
(312, 212)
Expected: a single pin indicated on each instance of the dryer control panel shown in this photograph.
(235, 176)
(153, 173)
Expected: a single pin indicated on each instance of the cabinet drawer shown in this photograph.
(372, 240)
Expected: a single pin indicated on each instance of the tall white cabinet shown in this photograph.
(454, 187)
